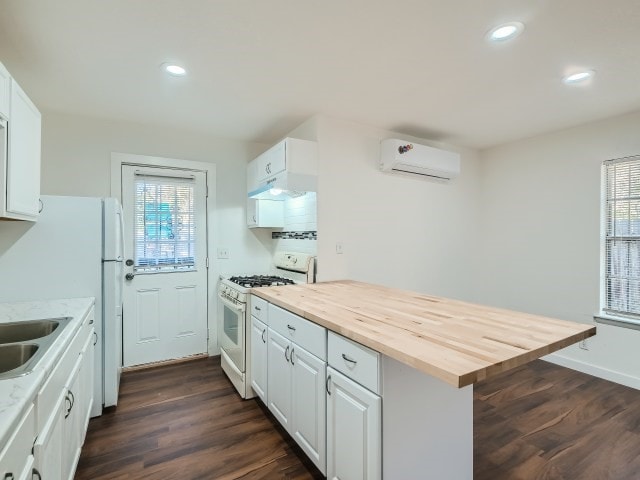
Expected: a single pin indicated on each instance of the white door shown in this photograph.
(308, 401)
(353, 430)
(259, 358)
(279, 378)
(165, 292)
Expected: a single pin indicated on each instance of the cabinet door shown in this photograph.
(279, 378)
(353, 430)
(23, 167)
(259, 359)
(252, 212)
(272, 161)
(48, 447)
(85, 389)
(15, 455)
(5, 92)
(308, 401)
(72, 423)
(252, 175)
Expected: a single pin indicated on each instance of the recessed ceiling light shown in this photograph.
(578, 77)
(504, 32)
(175, 70)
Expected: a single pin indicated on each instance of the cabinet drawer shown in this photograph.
(260, 309)
(17, 453)
(356, 361)
(304, 333)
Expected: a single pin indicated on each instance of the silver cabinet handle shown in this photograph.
(349, 359)
(257, 308)
(286, 352)
(36, 472)
(95, 336)
(263, 332)
(291, 356)
(293, 329)
(327, 385)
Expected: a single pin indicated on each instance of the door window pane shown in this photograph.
(164, 229)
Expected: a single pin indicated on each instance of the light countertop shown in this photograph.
(458, 342)
(17, 393)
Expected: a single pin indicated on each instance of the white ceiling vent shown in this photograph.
(407, 157)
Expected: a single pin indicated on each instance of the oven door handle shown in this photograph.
(231, 305)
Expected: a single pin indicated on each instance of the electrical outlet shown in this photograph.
(339, 249)
(583, 344)
(223, 253)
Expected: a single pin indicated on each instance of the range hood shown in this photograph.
(284, 185)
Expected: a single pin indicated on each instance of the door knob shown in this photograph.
(129, 263)
(129, 276)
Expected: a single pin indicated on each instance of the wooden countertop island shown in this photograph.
(413, 417)
(458, 342)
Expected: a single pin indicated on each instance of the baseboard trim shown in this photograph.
(605, 373)
(163, 363)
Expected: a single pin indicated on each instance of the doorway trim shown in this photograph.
(118, 159)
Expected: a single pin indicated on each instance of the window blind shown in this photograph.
(622, 236)
(164, 228)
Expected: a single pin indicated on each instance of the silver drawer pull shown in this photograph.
(327, 385)
(286, 354)
(293, 329)
(257, 308)
(348, 359)
(263, 332)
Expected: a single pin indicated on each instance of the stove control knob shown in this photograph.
(235, 294)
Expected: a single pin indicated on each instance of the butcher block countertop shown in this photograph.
(458, 342)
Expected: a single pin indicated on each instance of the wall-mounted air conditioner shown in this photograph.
(408, 157)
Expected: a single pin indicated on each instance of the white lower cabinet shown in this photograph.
(72, 422)
(16, 458)
(296, 395)
(354, 436)
(259, 353)
(48, 447)
(308, 404)
(64, 405)
(279, 378)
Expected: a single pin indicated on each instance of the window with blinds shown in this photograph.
(164, 228)
(622, 236)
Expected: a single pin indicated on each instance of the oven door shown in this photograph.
(231, 330)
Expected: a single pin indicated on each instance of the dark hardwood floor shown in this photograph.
(186, 422)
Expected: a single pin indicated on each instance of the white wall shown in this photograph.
(76, 156)
(76, 159)
(539, 242)
(405, 232)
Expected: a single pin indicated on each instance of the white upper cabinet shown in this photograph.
(289, 165)
(5, 92)
(265, 213)
(273, 160)
(19, 152)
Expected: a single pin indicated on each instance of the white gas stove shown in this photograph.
(233, 324)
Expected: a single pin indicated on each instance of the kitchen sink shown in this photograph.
(22, 344)
(31, 330)
(16, 355)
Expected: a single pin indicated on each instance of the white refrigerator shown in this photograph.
(75, 249)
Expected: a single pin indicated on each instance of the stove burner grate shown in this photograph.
(254, 281)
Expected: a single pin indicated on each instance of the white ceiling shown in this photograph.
(258, 68)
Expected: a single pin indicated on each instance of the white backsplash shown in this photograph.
(300, 215)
